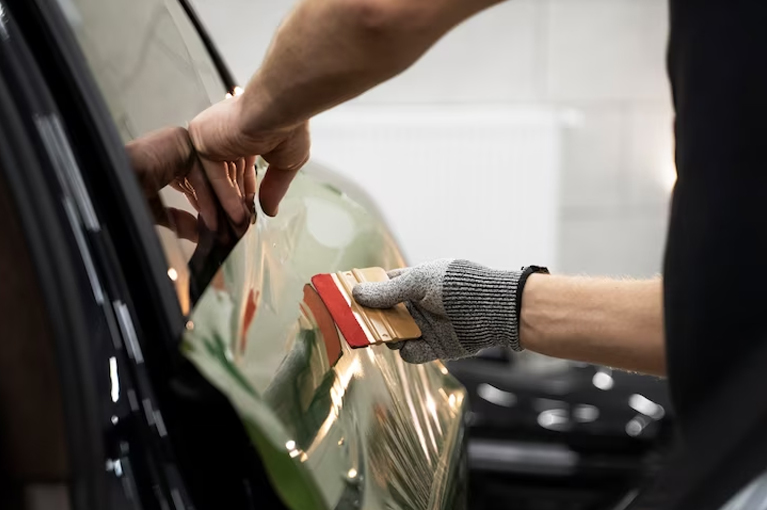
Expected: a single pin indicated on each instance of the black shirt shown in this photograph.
(715, 270)
(715, 274)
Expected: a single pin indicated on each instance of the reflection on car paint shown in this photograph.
(3, 23)
(336, 427)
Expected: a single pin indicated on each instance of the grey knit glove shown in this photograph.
(461, 307)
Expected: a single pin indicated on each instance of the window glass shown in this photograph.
(155, 74)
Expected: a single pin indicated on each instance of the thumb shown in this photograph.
(285, 161)
(389, 293)
(417, 352)
(274, 186)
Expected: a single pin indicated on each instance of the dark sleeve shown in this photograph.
(715, 274)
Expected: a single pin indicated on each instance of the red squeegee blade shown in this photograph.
(339, 309)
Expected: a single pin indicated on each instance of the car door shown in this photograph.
(71, 436)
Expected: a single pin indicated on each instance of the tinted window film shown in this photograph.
(155, 75)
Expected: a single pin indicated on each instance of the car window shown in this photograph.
(155, 74)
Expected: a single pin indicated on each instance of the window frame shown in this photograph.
(223, 468)
(61, 276)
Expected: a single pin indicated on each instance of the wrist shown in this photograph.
(480, 304)
(530, 331)
(250, 117)
(258, 113)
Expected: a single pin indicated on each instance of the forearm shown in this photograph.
(328, 51)
(617, 323)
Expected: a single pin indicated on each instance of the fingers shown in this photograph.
(160, 156)
(183, 186)
(214, 136)
(397, 272)
(389, 293)
(237, 190)
(285, 160)
(206, 203)
(222, 178)
(274, 186)
(240, 165)
(249, 181)
(184, 224)
(429, 347)
(167, 157)
(417, 352)
(249, 177)
(231, 172)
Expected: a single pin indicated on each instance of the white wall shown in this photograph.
(451, 180)
(598, 63)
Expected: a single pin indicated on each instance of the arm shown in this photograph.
(325, 52)
(618, 323)
(463, 307)
(329, 51)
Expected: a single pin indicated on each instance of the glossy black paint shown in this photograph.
(156, 436)
(565, 443)
(175, 466)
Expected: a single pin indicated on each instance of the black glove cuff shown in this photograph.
(526, 272)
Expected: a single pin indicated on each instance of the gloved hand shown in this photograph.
(461, 307)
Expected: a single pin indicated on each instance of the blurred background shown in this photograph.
(542, 130)
(538, 132)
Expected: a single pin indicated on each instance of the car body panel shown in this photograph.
(364, 431)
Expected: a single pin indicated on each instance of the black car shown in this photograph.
(150, 360)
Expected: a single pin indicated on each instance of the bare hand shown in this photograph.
(167, 157)
(221, 133)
